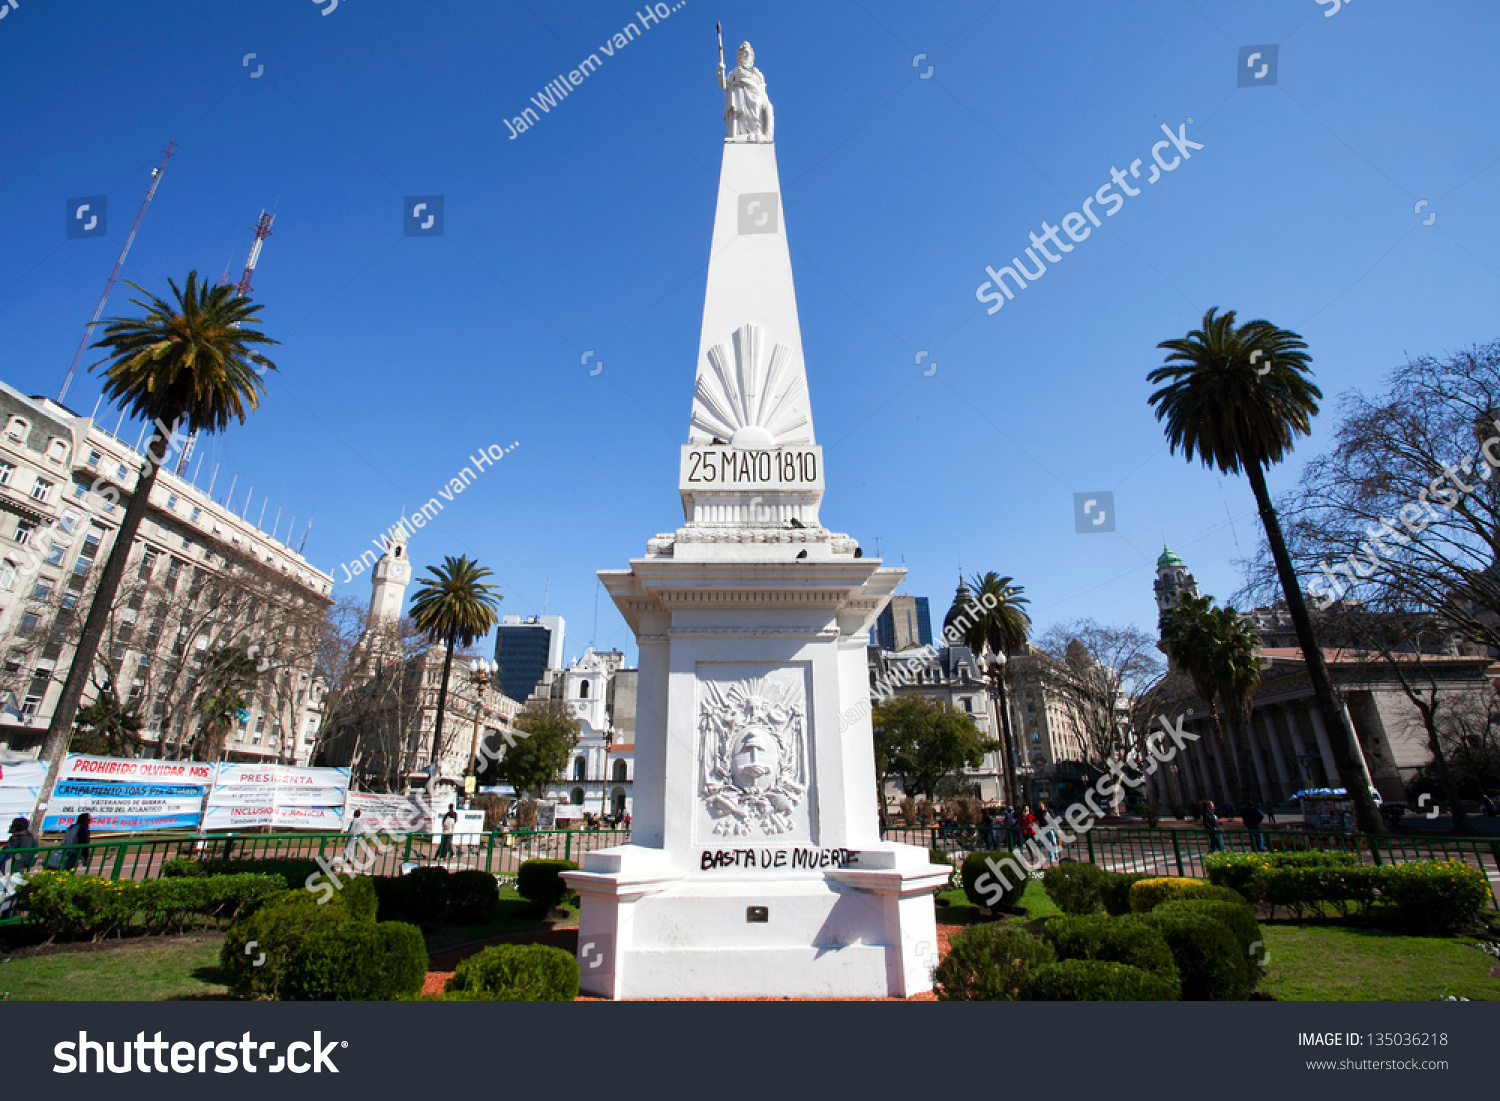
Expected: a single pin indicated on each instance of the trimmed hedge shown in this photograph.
(997, 892)
(1238, 919)
(294, 870)
(988, 963)
(1435, 897)
(75, 907)
(1303, 891)
(1206, 953)
(1237, 871)
(1097, 937)
(1076, 888)
(357, 961)
(517, 973)
(1147, 893)
(540, 882)
(471, 896)
(1095, 981)
(1114, 890)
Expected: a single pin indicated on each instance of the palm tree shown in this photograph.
(453, 605)
(1002, 629)
(185, 366)
(1242, 673)
(1236, 397)
(1194, 638)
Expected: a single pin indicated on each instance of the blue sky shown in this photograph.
(402, 356)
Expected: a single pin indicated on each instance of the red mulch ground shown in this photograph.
(444, 962)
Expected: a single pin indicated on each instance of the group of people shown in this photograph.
(606, 821)
(1251, 815)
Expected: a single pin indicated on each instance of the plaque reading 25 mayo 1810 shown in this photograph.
(734, 468)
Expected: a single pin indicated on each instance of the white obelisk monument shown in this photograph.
(755, 865)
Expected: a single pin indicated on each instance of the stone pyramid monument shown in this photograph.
(755, 866)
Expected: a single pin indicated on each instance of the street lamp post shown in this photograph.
(481, 673)
(609, 738)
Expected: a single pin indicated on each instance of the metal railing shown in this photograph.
(1180, 852)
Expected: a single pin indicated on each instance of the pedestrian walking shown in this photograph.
(1027, 822)
(66, 856)
(13, 856)
(445, 846)
(1253, 816)
(1049, 835)
(356, 828)
(1210, 822)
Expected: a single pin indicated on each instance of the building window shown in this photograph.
(578, 766)
(15, 660)
(148, 562)
(620, 771)
(32, 705)
(120, 472)
(969, 704)
(80, 491)
(40, 490)
(24, 528)
(42, 590)
(86, 555)
(197, 512)
(17, 428)
(7, 574)
(6, 470)
(577, 797)
(55, 554)
(69, 520)
(94, 458)
(171, 500)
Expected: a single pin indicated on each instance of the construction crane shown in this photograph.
(262, 229)
(156, 175)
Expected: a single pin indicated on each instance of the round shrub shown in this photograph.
(1206, 953)
(1238, 919)
(987, 963)
(357, 961)
(278, 929)
(1075, 887)
(1146, 894)
(418, 897)
(1114, 890)
(1435, 897)
(1097, 937)
(1095, 981)
(983, 887)
(471, 896)
(518, 973)
(540, 882)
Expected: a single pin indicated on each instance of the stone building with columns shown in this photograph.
(1289, 748)
(600, 694)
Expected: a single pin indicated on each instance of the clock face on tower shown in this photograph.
(398, 571)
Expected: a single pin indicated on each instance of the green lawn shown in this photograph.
(1338, 963)
(954, 909)
(148, 971)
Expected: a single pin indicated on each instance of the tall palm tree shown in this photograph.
(1237, 397)
(1003, 629)
(453, 605)
(185, 366)
(1194, 638)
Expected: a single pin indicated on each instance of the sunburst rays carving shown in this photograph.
(746, 385)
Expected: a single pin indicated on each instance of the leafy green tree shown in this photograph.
(107, 728)
(228, 674)
(186, 366)
(922, 740)
(546, 736)
(1002, 629)
(1193, 632)
(453, 605)
(1236, 397)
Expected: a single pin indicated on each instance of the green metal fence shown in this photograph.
(1181, 852)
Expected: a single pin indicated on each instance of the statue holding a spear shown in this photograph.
(747, 111)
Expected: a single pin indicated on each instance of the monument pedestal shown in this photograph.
(756, 867)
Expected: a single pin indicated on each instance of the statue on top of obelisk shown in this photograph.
(747, 110)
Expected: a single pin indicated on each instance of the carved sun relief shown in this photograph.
(751, 396)
(754, 755)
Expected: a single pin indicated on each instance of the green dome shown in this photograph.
(1167, 559)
